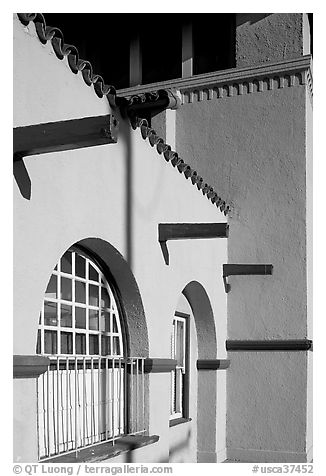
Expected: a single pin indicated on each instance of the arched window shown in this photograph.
(91, 391)
(80, 314)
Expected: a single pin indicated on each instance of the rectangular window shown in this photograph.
(179, 375)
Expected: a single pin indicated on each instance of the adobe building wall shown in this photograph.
(269, 37)
(255, 150)
(83, 193)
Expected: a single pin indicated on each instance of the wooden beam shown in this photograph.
(269, 345)
(64, 135)
(159, 365)
(244, 270)
(185, 231)
(213, 364)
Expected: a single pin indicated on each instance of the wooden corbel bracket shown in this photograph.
(244, 270)
(64, 135)
(185, 231)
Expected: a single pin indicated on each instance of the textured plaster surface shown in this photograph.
(264, 37)
(25, 416)
(267, 402)
(253, 149)
(118, 193)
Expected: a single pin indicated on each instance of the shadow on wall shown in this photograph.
(174, 450)
(251, 18)
(24, 184)
(125, 135)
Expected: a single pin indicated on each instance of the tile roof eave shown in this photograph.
(176, 161)
(129, 105)
(61, 49)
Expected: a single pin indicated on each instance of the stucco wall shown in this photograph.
(264, 37)
(118, 193)
(266, 400)
(253, 148)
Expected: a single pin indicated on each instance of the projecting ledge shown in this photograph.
(159, 365)
(104, 451)
(213, 364)
(29, 366)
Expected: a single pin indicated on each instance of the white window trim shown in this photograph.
(183, 392)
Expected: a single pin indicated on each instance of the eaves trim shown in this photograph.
(61, 49)
(173, 157)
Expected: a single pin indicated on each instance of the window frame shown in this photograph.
(183, 415)
(105, 281)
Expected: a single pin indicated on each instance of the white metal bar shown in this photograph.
(62, 411)
(92, 400)
(143, 391)
(67, 402)
(76, 422)
(120, 399)
(38, 417)
(132, 395)
(84, 401)
(99, 400)
(112, 398)
(58, 401)
(48, 411)
(106, 397)
(136, 399)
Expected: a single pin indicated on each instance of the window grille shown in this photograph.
(91, 393)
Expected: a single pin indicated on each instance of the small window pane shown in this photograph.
(80, 266)
(93, 295)
(66, 289)
(51, 290)
(80, 317)
(66, 342)
(80, 290)
(105, 298)
(38, 345)
(106, 345)
(179, 346)
(114, 321)
(66, 315)
(81, 344)
(93, 319)
(93, 274)
(105, 321)
(93, 344)
(66, 263)
(50, 342)
(50, 313)
(116, 346)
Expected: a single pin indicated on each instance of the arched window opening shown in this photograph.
(80, 314)
(91, 393)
